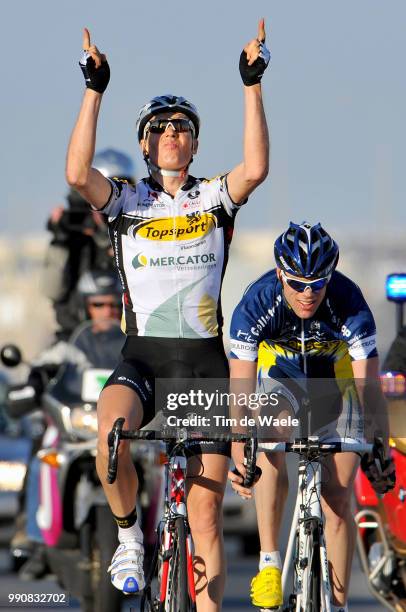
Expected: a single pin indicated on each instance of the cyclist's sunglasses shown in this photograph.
(315, 285)
(159, 126)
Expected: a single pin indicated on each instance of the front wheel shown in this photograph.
(170, 586)
(313, 603)
(177, 593)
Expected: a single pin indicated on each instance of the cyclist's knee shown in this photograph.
(273, 466)
(104, 429)
(205, 516)
(337, 505)
(276, 460)
(130, 409)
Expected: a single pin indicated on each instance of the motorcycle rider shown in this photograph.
(99, 293)
(171, 295)
(395, 360)
(3, 397)
(387, 579)
(80, 242)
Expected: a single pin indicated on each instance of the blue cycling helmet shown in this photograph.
(99, 282)
(307, 251)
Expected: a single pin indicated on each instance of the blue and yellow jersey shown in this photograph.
(265, 329)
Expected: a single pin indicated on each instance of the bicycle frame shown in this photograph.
(174, 507)
(308, 515)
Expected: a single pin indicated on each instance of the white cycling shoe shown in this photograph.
(127, 571)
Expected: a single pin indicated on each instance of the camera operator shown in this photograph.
(79, 243)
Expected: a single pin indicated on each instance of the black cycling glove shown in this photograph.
(251, 75)
(379, 470)
(250, 479)
(96, 78)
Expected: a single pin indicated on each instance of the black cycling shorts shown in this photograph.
(147, 358)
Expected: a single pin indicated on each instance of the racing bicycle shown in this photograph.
(306, 549)
(170, 585)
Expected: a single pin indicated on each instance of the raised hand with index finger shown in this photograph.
(254, 58)
(94, 65)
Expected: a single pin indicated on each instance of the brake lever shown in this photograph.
(113, 440)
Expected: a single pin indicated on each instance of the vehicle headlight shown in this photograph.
(393, 384)
(84, 420)
(12, 474)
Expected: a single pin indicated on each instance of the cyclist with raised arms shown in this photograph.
(171, 235)
(297, 323)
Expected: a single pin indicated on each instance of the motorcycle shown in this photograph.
(75, 520)
(381, 521)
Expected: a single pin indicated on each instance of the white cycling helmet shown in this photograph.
(114, 164)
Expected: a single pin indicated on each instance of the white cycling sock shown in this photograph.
(267, 559)
(339, 608)
(130, 533)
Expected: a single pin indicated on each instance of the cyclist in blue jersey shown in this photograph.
(297, 323)
(170, 235)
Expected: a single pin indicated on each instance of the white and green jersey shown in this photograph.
(171, 253)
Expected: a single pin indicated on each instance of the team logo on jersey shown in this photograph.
(199, 259)
(193, 194)
(139, 261)
(152, 199)
(194, 217)
(189, 205)
(190, 227)
(118, 185)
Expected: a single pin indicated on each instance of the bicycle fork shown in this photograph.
(307, 519)
(175, 496)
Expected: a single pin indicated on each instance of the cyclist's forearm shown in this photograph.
(368, 385)
(256, 137)
(242, 386)
(83, 140)
(237, 452)
(375, 404)
(374, 409)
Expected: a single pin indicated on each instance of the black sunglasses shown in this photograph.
(159, 126)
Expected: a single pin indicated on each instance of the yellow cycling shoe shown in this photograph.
(266, 588)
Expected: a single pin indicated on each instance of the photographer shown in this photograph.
(79, 243)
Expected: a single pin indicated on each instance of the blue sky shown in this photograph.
(335, 98)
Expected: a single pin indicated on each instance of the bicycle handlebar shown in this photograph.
(314, 445)
(182, 435)
(179, 435)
